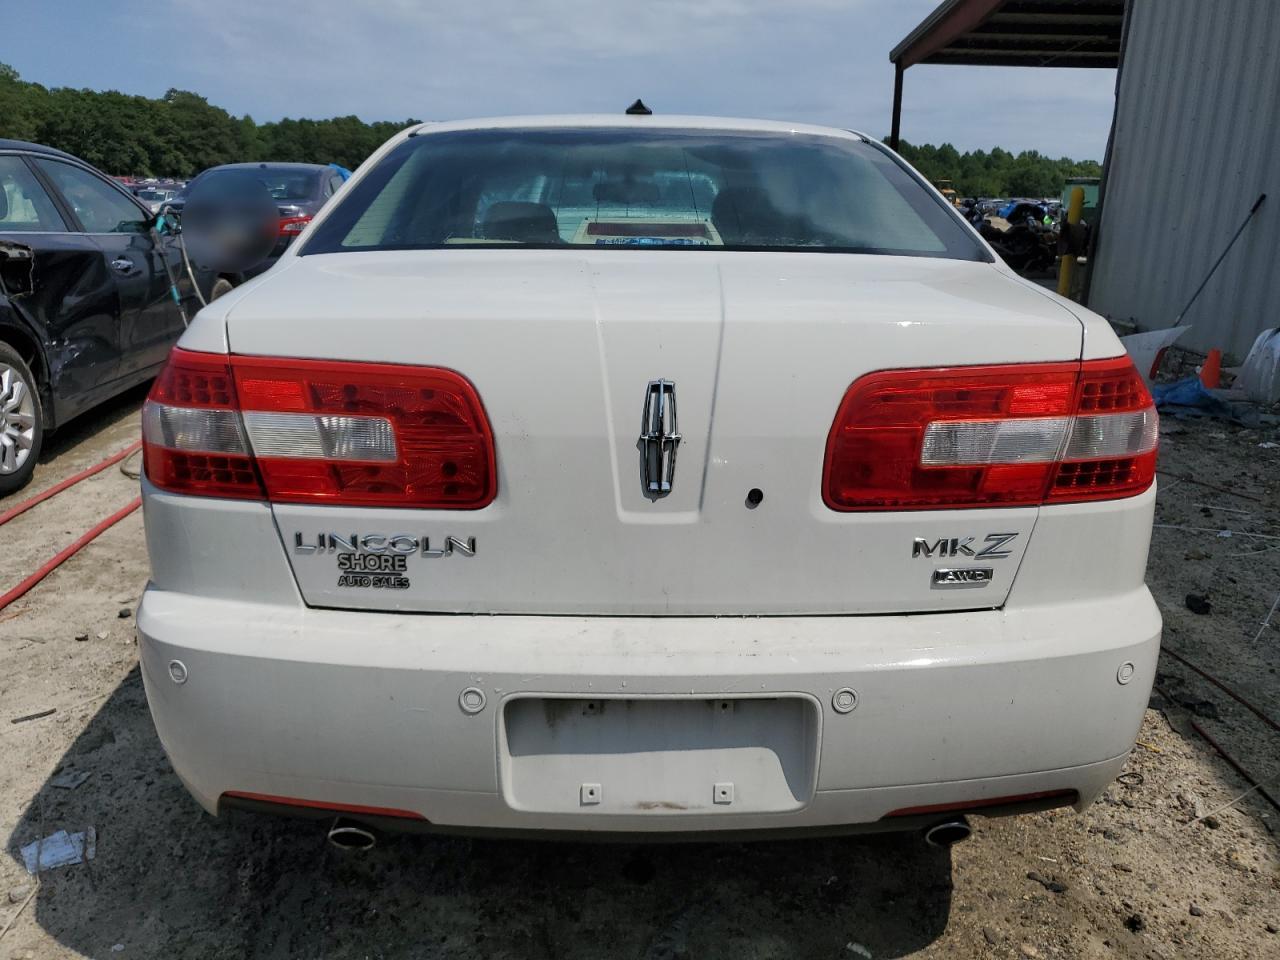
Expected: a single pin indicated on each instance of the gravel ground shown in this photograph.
(1133, 877)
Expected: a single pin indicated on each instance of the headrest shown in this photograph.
(520, 221)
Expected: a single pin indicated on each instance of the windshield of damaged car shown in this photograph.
(621, 188)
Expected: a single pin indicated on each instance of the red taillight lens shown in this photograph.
(991, 436)
(291, 226)
(318, 431)
(192, 439)
(366, 433)
(1111, 452)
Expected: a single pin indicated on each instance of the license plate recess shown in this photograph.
(659, 756)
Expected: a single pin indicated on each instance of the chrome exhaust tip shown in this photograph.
(348, 836)
(948, 833)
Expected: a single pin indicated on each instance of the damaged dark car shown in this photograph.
(88, 306)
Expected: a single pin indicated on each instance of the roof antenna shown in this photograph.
(638, 109)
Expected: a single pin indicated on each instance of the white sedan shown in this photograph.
(641, 474)
(155, 199)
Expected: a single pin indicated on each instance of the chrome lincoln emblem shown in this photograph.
(659, 438)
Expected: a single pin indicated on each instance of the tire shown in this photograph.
(220, 286)
(21, 421)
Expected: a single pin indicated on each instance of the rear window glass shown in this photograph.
(620, 188)
(281, 184)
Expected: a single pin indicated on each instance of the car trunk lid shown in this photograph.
(564, 349)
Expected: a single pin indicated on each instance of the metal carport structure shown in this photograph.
(1011, 33)
(1193, 144)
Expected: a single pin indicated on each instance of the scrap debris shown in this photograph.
(1209, 819)
(1199, 604)
(30, 895)
(1260, 373)
(1053, 886)
(1171, 688)
(1189, 397)
(1184, 478)
(1266, 622)
(70, 779)
(60, 849)
(35, 716)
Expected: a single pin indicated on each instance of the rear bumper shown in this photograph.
(369, 710)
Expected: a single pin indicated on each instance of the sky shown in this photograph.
(815, 61)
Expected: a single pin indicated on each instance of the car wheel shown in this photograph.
(21, 421)
(220, 286)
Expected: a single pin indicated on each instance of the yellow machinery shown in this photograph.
(1067, 262)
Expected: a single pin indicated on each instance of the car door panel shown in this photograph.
(73, 304)
(147, 327)
(150, 322)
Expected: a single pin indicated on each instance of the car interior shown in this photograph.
(24, 206)
(520, 221)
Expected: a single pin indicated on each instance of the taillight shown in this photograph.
(291, 226)
(318, 431)
(1111, 451)
(991, 436)
(192, 438)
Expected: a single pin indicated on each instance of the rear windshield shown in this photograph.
(281, 184)
(620, 188)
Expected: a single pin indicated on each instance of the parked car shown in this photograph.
(430, 545)
(174, 203)
(299, 189)
(155, 197)
(85, 304)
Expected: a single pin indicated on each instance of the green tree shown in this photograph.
(20, 105)
(181, 134)
(998, 173)
(207, 135)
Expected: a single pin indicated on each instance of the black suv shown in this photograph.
(85, 304)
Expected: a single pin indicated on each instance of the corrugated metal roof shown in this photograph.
(1016, 33)
(1197, 138)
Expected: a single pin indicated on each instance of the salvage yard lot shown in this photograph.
(1132, 877)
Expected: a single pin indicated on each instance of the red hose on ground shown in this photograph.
(70, 481)
(1235, 764)
(62, 555)
(1223, 687)
(1221, 751)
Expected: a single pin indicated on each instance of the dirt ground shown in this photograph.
(1133, 877)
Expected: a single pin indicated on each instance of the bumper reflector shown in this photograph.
(353, 808)
(1063, 798)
